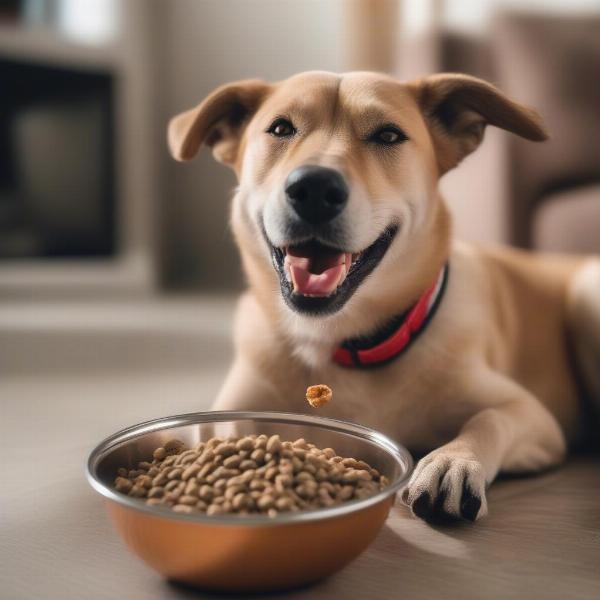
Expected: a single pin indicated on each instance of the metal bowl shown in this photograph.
(255, 552)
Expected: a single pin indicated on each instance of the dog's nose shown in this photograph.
(317, 194)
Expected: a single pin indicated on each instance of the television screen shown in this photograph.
(57, 174)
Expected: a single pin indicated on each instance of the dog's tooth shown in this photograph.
(286, 268)
(292, 280)
(343, 274)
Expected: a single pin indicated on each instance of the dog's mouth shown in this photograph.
(316, 278)
(315, 270)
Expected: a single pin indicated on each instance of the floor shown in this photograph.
(72, 374)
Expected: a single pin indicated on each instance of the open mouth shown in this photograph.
(316, 278)
(315, 270)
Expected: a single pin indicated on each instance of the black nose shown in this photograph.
(317, 194)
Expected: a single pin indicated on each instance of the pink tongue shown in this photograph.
(311, 284)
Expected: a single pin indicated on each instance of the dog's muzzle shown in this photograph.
(318, 270)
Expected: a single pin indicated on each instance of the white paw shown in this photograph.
(447, 485)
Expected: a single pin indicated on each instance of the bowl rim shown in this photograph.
(110, 443)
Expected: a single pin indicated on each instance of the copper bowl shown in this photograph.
(248, 553)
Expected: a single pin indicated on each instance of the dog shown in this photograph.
(472, 357)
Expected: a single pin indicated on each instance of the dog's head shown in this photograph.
(338, 178)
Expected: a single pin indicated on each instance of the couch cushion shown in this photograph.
(552, 64)
(569, 221)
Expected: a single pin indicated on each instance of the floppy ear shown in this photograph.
(458, 107)
(218, 121)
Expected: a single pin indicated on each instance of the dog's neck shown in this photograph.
(316, 344)
(314, 339)
(396, 336)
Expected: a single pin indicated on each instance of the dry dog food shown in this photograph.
(256, 474)
(318, 395)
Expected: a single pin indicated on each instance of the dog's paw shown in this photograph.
(445, 486)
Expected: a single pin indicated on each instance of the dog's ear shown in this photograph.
(458, 107)
(218, 121)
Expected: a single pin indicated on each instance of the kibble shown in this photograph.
(255, 474)
(318, 395)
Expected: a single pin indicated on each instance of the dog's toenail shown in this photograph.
(421, 506)
(469, 506)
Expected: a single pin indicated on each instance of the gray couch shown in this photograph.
(551, 199)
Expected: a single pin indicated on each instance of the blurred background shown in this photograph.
(115, 259)
(118, 275)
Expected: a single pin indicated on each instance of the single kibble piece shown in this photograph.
(159, 453)
(319, 395)
(252, 475)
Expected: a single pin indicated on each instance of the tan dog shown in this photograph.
(343, 233)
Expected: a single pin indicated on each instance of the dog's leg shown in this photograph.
(244, 389)
(513, 432)
(251, 381)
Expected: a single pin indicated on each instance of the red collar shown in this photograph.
(396, 336)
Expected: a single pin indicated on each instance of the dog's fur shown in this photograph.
(490, 383)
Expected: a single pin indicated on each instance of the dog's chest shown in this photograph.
(412, 408)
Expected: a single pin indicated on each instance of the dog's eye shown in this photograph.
(388, 135)
(281, 128)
